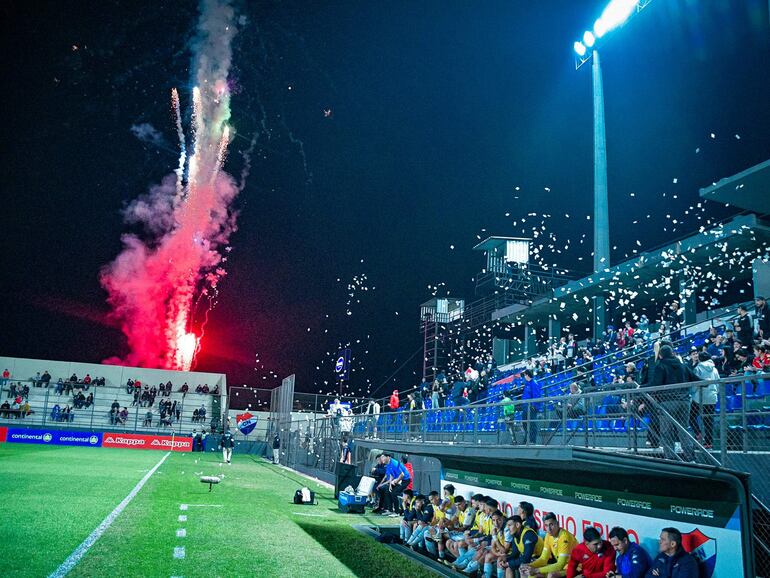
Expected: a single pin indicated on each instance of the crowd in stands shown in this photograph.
(473, 535)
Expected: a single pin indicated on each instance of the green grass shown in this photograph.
(53, 498)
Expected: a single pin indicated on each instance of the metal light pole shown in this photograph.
(601, 199)
(615, 14)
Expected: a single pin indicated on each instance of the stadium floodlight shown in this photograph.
(588, 39)
(614, 15)
(580, 48)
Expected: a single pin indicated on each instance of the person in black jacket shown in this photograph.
(669, 370)
(744, 327)
(760, 312)
(672, 561)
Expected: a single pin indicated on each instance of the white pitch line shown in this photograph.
(179, 552)
(81, 550)
(182, 506)
(182, 518)
(181, 533)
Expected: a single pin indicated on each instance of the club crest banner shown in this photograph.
(246, 423)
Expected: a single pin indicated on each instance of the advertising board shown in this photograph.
(710, 531)
(3, 433)
(53, 437)
(147, 442)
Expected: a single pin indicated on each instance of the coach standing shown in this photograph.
(276, 448)
(227, 443)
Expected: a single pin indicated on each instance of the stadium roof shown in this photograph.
(643, 274)
(749, 189)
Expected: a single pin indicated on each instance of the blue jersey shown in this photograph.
(634, 563)
(396, 468)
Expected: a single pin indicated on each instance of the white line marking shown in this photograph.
(182, 506)
(182, 518)
(179, 552)
(308, 514)
(81, 550)
(181, 533)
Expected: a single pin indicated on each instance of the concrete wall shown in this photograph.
(22, 369)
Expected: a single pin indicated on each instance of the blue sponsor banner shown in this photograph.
(54, 437)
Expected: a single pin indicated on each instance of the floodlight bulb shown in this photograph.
(580, 48)
(588, 39)
(600, 27)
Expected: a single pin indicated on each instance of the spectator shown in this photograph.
(37, 381)
(179, 413)
(67, 414)
(458, 393)
(195, 415)
(56, 413)
(130, 386)
(5, 409)
(215, 391)
(12, 391)
(394, 401)
(435, 395)
(147, 419)
(594, 558)
(672, 561)
(202, 413)
(574, 408)
(89, 400)
(744, 326)
(532, 390)
(123, 416)
(557, 548)
(373, 411)
(46, 378)
(199, 388)
(73, 378)
(672, 321)
(6, 377)
(169, 386)
(763, 317)
(79, 400)
(669, 370)
(205, 388)
(87, 381)
(68, 387)
(631, 560)
(704, 399)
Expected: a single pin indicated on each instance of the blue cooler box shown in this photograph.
(351, 503)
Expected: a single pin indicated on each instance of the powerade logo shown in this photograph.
(54, 437)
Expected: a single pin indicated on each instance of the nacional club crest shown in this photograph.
(703, 548)
(246, 422)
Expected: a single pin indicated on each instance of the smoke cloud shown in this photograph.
(185, 220)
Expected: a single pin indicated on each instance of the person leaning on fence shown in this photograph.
(532, 410)
(704, 399)
(669, 370)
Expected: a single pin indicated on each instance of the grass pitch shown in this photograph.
(54, 497)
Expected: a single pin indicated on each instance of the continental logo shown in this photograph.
(124, 441)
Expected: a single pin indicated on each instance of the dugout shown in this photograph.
(711, 506)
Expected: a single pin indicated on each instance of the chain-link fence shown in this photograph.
(723, 422)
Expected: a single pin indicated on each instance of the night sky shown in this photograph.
(387, 133)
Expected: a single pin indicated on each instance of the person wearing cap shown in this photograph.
(227, 443)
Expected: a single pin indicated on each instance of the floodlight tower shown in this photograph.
(615, 14)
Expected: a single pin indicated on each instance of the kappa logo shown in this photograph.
(47, 437)
(703, 548)
(124, 441)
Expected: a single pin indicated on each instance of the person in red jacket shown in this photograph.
(408, 466)
(394, 403)
(594, 558)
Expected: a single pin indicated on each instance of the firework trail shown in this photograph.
(153, 282)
